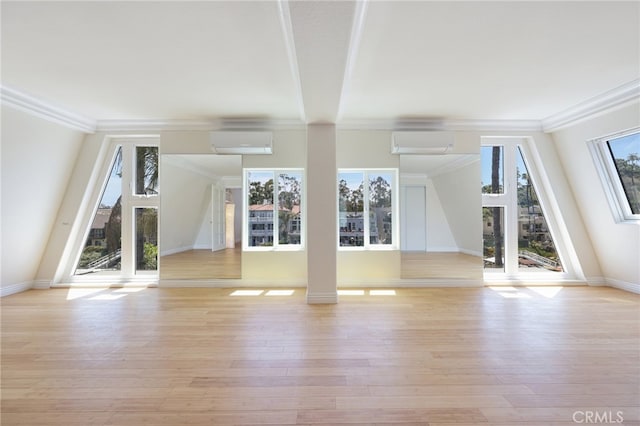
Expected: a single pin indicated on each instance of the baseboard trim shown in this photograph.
(410, 283)
(322, 298)
(176, 250)
(471, 252)
(10, 289)
(42, 284)
(596, 281)
(624, 285)
(230, 283)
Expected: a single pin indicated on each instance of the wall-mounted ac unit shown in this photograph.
(240, 142)
(421, 142)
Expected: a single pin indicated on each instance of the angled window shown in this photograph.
(617, 160)
(122, 237)
(536, 248)
(367, 194)
(517, 238)
(102, 249)
(268, 192)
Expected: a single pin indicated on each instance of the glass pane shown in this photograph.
(260, 205)
(351, 208)
(380, 220)
(289, 192)
(536, 250)
(492, 158)
(626, 155)
(146, 239)
(493, 238)
(101, 252)
(146, 173)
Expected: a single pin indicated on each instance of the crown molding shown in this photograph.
(43, 109)
(493, 125)
(152, 125)
(600, 104)
(198, 125)
(433, 124)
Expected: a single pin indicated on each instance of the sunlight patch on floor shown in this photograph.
(546, 291)
(280, 292)
(350, 292)
(77, 293)
(382, 292)
(509, 292)
(247, 293)
(107, 296)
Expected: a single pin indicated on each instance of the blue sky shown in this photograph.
(485, 157)
(353, 179)
(626, 145)
(112, 191)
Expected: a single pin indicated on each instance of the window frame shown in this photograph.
(610, 178)
(245, 211)
(509, 201)
(395, 227)
(129, 202)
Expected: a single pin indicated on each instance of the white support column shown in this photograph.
(322, 233)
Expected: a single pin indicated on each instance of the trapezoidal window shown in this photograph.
(122, 236)
(617, 160)
(103, 247)
(517, 238)
(536, 249)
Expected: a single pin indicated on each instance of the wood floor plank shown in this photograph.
(448, 356)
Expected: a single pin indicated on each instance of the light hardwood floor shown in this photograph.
(202, 264)
(441, 265)
(526, 356)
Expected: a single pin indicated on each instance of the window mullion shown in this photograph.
(127, 235)
(276, 210)
(511, 210)
(365, 210)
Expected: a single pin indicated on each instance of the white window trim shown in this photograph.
(245, 211)
(508, 200)
(395, 209)
(608, 174)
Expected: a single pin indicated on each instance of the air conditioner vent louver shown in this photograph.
(427, 142)
(240, 142)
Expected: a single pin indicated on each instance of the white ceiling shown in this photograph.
(319, 61)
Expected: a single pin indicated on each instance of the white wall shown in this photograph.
(37, 161)
(184, 208)
(439, 234)
(366, 150)
(288, 267)
(617, 246)
(461, 200)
